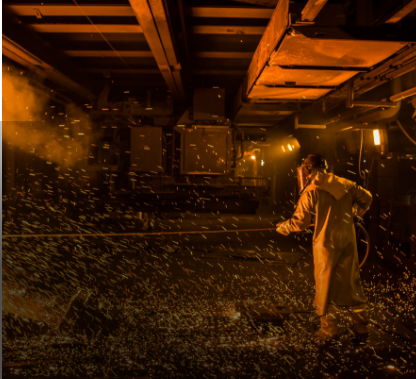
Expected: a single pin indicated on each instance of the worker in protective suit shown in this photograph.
(328, 201)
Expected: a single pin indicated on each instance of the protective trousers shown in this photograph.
(358, 315)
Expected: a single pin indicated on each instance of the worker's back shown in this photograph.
(332, 199)
(328, 202)
(337, 274)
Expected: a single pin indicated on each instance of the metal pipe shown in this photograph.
(242, 140)
(365, 103)
(404, 94)
(350, 93)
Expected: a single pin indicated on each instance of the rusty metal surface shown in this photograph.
(274, 75)
(271, 37)
(263, 92)
(373, 79)
(263, 114)
(312, 9)
(410, 7)
(299, 50)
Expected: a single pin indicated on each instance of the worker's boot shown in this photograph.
(321, 336)
(329, 326)
(359, 316)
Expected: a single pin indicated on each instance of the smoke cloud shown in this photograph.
(30, 123)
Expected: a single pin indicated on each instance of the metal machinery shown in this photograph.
(193, 107)
(141, 108)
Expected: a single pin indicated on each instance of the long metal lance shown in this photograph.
(83, 235)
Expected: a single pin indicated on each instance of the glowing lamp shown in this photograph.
(290, 147)
(253, 157)
(376, 137)
(283, 149)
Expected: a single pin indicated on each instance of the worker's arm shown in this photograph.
(301, 219)
(361, 199)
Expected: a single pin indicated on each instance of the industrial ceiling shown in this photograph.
(275, 58)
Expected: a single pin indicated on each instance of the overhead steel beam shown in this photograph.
(85, 28)
(43, 61)
(364, 83)
(223, 54)
(263, 3)
(138, 82)
(404, 94)
(402, 12)
(227, 12)
(271, 37)
(126, 11)
(148, 54)
(156, 71)
(214, 29)
(151, 15)
(220, 72)
(109, 53)
(25, 58)
(270, 108)
(312, 9)
(123, 70)
(70, 10)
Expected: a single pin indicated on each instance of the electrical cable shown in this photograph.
(367, 237)
(405, 133)
(361, 151)
(358, 225)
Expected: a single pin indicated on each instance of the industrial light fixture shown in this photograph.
(253, 157)
(376, 134)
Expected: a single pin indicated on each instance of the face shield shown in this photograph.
(304, 171)
(302, 177)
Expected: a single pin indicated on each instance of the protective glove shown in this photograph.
(281, 229)
(358, 214)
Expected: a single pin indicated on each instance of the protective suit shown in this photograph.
(329, 201)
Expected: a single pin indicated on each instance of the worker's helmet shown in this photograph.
(312, 161)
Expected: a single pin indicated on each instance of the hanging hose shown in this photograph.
(361, 151)
(405, 133)
(367, 238)
(242, 140)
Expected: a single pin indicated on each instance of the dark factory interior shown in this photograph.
(209, 189)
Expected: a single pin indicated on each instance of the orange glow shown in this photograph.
(376, 137)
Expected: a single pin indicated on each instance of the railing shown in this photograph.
(245, 181)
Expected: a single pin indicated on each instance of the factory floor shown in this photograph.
(203, 305)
